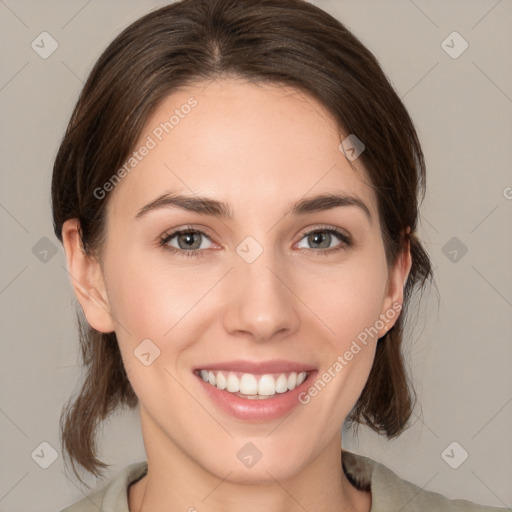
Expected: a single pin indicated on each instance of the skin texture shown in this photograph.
(258, 148)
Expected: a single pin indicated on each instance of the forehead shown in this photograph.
(250, 145)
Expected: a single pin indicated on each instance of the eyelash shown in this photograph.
(346, 241)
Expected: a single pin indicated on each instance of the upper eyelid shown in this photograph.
(184, 229)
(342, 231)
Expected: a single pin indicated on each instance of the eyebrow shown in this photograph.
(207, 206)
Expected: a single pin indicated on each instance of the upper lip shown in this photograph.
(274, 366)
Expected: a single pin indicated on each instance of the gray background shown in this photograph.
(460, 349)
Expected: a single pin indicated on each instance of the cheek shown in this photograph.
(350, 305)
(145, 295)
(347, 299)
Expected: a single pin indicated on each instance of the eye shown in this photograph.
(189, 242)
(324, 240)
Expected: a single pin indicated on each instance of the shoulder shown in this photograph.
(112, 497)
(391, 492)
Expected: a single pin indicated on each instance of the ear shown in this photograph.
(397, 278)
(87, 279)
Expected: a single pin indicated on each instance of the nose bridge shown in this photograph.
(260, 302)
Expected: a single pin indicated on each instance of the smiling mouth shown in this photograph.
(253, 386)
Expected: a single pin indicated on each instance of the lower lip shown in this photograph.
(262, 410)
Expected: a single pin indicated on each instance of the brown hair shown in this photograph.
(282, 42)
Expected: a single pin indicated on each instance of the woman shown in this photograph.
(236, 194)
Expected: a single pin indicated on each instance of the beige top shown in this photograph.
(390, 493)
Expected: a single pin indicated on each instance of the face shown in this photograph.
(256, 293)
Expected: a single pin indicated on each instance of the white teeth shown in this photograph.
(301, 377)
(233, 383)
(292, 381)
(221, 381)
(282, 384)
(249, 385)
(267, 385)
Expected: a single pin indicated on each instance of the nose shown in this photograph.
(261, 305)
